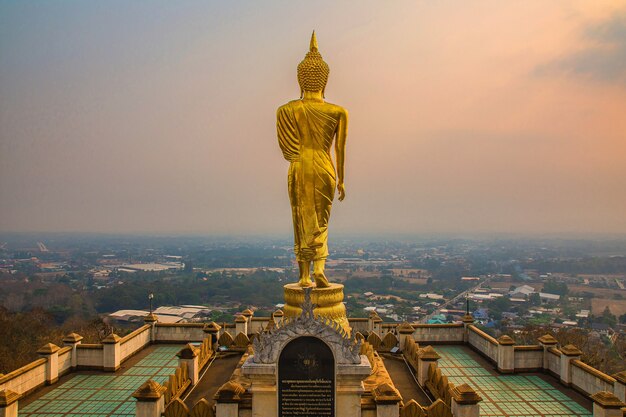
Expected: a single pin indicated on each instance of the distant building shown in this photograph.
(153, 267)
(173, 314)
(523, 291)
(129, 315)
(432, 296)
(547, 297)
(583, 314)
(481, 314)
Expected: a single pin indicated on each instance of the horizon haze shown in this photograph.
(465, 118)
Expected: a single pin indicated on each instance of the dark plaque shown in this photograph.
(306, 379)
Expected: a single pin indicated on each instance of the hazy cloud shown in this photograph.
(605, 57)
(150, 117)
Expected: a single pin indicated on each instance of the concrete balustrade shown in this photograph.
(425, 357)
(50, 352)
(605, 404)
(150, 400)
(72, 340)
(465, 401)
(8, 403)
(189, 355)
(619, 387)
(506, 355)
(387, 400)
(241, 324)
(569, 353)
(562, 362)
(547, 341)
(227, 400)
(112, 354)
(405, 330)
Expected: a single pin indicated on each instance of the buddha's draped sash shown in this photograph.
(305, 136)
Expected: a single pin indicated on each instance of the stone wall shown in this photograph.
(135, 341)
(528, 358)
(589, 380)
(438, 333)
(89, 356)
(65, 360)
(554, 361)
(26, 378)
(180, 332)
(483, 343)
(359, 324)
(257, 324)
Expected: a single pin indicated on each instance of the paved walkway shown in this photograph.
(527, 395)
(404, 382)
(217, 375)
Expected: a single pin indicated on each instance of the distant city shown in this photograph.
(510, 286)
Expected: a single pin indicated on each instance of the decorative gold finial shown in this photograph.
(313, 46)
(313, 71)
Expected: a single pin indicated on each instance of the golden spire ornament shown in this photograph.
(313, 71)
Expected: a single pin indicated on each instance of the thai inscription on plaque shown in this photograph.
(306, 379)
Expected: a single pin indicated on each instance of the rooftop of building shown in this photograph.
(466, 355)
(527, 394)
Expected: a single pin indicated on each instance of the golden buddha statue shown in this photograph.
(307, 129)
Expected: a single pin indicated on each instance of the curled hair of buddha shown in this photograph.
(313, 71)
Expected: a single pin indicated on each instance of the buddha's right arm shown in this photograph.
(286, 132)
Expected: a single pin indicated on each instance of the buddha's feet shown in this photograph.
(305, 282)
(320, 280)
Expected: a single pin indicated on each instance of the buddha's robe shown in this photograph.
(306, 130)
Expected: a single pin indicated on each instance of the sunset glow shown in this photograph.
(465, 117)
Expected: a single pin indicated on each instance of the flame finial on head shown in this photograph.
(313, 71)
(313, 45)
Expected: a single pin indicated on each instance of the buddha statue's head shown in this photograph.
(313, 71)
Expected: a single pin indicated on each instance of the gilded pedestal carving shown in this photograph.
(328, 302)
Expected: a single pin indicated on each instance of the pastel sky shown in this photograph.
(465, 117)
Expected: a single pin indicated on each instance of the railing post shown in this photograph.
(547, 341)
(506, 355)
(278, 316)
(241, 324)
(568, 354)
(50, 351)
(152, 320)
(619, 388)
(426, 356)
(248, 314)
(150, 401)
(212, 329)
(605, 404)
(370, 321)
(465, 401)
(378, 325)
(189, 355)
(73, 340)
(227, 399)
(405, 330)
(8, 403)
(387, 401)
(467, 320)
(112, 353)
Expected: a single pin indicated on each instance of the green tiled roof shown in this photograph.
(104, 395)
(507, 395)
